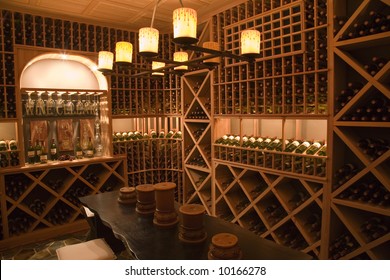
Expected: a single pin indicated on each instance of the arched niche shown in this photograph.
(60, 71)
(43, 68)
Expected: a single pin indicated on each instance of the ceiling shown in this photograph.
(126, 14)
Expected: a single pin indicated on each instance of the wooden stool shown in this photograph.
(96, 249)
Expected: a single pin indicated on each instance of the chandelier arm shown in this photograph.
(181, 3)
(217, 53)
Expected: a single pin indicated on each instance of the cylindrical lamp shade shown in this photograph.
(148, 41)
(180, 57)
(212, 46)
(123, 52)
(184, 26)
(106, 61)
(157, 65)
(250, 42)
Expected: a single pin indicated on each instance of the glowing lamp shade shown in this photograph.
(180, 57)
(184, 26)
(212, 46)
(123, 53)
(157, 65)
(148, 41)
(105, 61)
(250, 43)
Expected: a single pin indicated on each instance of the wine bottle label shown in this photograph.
(53, 151)
(79, 153)
(224, 137)
(237, 138)
(43, 158)
(252, 139)
(295, 143)
(30, 153)
(39, 152)
(260, 140)
(89, 152)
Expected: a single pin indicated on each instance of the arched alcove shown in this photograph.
(54, 70)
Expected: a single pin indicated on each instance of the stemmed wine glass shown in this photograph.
(80, 105)
(50, 104)
(60, 103)
(40, 109)
(30, 104)
(69, 106)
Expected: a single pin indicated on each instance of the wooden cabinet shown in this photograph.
(42, 201)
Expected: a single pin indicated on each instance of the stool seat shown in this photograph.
(96, 249)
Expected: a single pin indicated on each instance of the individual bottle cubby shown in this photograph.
(19, 222)
(253, 184)
(309, 222)
(367, 192)
(292, 193)
(15, 186)
(37, 201)
(361, 19)
(290, 236)
(60, 214)
(223, 211)
(252, 222)
(271, 209)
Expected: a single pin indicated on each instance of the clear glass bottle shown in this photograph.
(98, 138)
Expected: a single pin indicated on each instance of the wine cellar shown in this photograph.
(291, 145)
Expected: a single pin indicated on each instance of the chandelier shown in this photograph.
(184, 35)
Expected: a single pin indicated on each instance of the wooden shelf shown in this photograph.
(42, 198)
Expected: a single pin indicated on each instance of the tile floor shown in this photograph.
(46, 250)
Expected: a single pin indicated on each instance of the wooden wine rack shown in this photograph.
(153, 160)
(197, 138)
(352, 202)
(300, 75)
(57, 187)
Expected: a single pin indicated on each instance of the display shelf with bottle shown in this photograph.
(360, 183)
(288, 151)
(37, 196)
(197, 138)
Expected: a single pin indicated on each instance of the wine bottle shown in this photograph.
(38, 151)
(265, 143)
(53, 150)
(78, 150)
(30, 153)
(292, 146)
(177, 135)
(322, 151)
(272, 145)
(43, 155)
(302, 147)
(313, 148)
